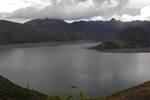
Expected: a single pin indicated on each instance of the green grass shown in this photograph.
(10, 91)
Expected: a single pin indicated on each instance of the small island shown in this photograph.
(132, 39)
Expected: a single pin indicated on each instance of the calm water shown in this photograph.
(59, 67)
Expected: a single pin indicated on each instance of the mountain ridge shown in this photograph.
(48, 30)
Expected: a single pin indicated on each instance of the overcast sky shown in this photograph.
(70, 10)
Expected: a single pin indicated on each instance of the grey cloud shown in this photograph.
(80, 0)
(3, 15)
(131, 11)
(122, 3)
(71, 10)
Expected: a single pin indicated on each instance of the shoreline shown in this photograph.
(129, 50)
(41, 44)
(51, 44)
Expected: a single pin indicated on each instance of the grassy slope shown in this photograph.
(141, 92)
(10, 91)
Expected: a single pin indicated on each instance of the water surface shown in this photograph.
(59, 67)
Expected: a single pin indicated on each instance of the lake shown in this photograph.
(60, 67)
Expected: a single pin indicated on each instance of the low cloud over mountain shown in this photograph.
(125, 10)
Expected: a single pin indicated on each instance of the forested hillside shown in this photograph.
(131, 37)
(48, 30)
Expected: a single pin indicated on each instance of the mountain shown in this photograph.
(86, 30)
(49, 24)
(60, 27)
(102, 30)
(99, 29)
(131, 37)
(96, 30)
(52, 24)
(10, 91)
(48, 30)
(13, 33)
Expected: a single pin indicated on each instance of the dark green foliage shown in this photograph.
(136, 36)
(10, 91)
(107, 45)
(48, 30)
(76, 96)
(131, 37)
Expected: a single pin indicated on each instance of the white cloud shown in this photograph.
(138, 3)
(75, 9)
(68, 9)
(144, 15)
(145, 12)
(11, 5)
(97, 18)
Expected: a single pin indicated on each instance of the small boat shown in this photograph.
(73, 87)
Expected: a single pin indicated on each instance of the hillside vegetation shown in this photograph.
(50, 30)
(141, 92)
(10, 91)
(131, 37)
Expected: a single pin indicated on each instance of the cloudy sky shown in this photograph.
(70, 10)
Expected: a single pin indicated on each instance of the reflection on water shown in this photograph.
(54, 68)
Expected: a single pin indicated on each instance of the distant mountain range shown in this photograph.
(47, 30)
